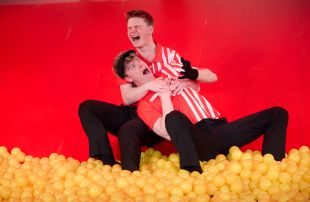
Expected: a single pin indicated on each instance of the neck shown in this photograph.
(148, 51)
(141, 82)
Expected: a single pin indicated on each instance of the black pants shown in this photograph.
(210, 137)
(98, 118)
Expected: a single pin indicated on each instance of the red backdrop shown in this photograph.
(53, 56)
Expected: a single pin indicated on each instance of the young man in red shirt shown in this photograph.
(197, 130)
(98, 117)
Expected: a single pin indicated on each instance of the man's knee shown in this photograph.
(280, 112)
(132, 131)
(175, 117)
(85, 107)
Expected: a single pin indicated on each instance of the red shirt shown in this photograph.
(192, 104)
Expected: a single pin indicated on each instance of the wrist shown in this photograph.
(164, 95)
(146, 87)
(195, 74)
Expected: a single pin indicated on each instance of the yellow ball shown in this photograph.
(110, 189)
(160, 186)
(235, 153)
(219, 180)
(273, 174)
(220, 158)
(211, 188)
(226, 196)
(262, 168)
(306, 176)
(15, 151)
(235, 167)
(304, 149)
(121, 182)
(245, 174)
(230, 178)
(133, 191)
(284, 177)
(236, 187)
(264, 183)
(94, 190)
(268, 159)
(300, 197)
(294, 157)
(174, 158)
(255, 176)
(141, 182)
(200, 189)
(186, 186)
(246, 156)
(246, 163)
(149, 189)
(202, 198)
(163, 194)
(176, 191)
(5, 192)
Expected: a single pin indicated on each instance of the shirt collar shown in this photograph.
(157, 58)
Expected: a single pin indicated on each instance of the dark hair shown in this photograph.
(140, 14)
(120, 60)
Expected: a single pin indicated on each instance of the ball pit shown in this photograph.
(239, 176)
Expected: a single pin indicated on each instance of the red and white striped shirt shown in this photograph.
(167, 63)
(195, 106)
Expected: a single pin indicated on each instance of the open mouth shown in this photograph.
(146, 71)
(135, 38)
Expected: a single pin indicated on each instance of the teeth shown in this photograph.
(135, 38)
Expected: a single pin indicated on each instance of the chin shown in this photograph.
(137, 45)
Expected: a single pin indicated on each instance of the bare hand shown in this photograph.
(157, 85)
(177, 86)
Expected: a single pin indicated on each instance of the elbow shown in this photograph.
(126, 101)
(211, 78)
(215, 78)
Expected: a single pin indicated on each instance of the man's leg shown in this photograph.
(271, 122)
(97, 119)
(180, 130)
(132, 135)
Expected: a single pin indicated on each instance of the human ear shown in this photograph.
(151, 29)
(128, 79)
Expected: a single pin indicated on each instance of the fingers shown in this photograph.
(176, 87)
(182, 60)
(186, 63)
(177, 90)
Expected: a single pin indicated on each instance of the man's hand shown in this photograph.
(157, 85)
(189, 72)
(177, 86)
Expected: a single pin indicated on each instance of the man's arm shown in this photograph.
(167, 106)
(132, 94)
(206, 75)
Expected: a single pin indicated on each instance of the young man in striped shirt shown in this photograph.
(99, 117)
(197, 130)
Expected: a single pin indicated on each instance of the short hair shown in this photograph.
(140, 14)
(121, 59)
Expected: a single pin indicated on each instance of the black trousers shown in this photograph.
(98, 118)
(210, 137)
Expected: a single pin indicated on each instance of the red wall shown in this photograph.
(53, 56)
